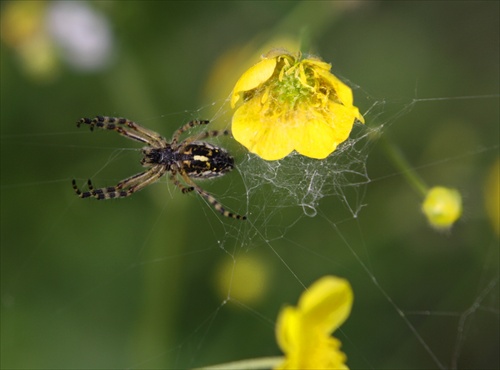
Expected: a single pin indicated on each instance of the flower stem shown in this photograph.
(400, 162)
(250, 364)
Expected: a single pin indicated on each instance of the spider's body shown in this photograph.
(190, 158)
(199, 159)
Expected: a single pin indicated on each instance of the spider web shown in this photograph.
(160, 280)
(284, 195)
(282, 199)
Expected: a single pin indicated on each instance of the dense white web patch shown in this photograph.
(301, 181)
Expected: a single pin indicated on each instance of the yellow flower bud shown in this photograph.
(442, 207)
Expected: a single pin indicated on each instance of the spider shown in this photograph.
(190, 158)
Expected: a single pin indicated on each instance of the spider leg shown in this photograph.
(109, 192)
(177, 183)
(210, 198)
(124, 127)
(81, 194)
(134, 184)
(186, 127)
(202, 136)
(125, 187)
(136, 179)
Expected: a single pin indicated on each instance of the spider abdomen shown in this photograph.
(203, 160)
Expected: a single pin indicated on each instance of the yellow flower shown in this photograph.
(289, 103)
(492, 196)
(442, 207)
(303, 332)
(23, 28)
(246, 280)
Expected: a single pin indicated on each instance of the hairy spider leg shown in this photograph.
(114, 127)
(137, 178)
(184, 189)
(81, 194)
(210, 199)
(90, 193)
(149, 177)
(186, 127)
(124, 188)
(131, 129)
(201, 136)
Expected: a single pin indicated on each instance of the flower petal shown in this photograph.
(303, 332)
(286, 329)
(327, 303)
(313, 139)
(320, 132)
(253, 77)
(261, 134)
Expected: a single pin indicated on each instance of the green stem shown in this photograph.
(400, 162)
(314, 17)
(250, 364)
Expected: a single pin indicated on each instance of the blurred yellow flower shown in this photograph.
(442, 207)
(44, 33)
(23, 29)
(303, 332)
(289, 103)
(492, 196)
(245, 280)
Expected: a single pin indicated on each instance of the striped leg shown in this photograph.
(202, 136)
(124, 127)
(124, 188)
(186, 127)
(210, 198)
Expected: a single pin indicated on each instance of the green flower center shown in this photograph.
(287, 87)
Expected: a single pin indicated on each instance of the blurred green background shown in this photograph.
(143, 282)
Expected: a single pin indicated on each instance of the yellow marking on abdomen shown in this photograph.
(200, 158)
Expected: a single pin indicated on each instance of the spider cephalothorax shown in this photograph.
(190, 158)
